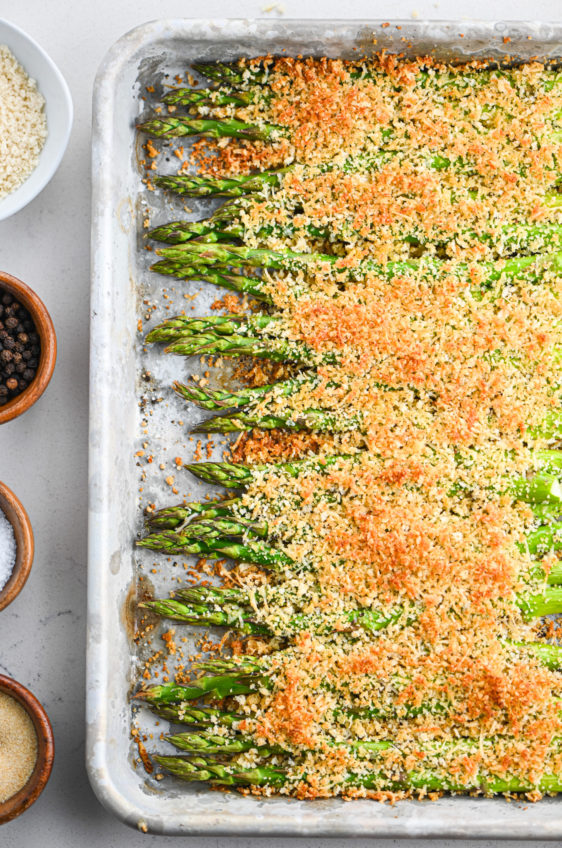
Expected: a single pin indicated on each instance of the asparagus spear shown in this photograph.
(198, 716)
(214, 267)
(310, 419)
(236, 74)
(231, 774)
(276, 350)
(184, 126)
(224, 325)
(217, 276)
(260, 336)
(189, 606)
(537, 489)
(178, 517)
(198, 521)
(237, 256)
(217, 542)
(222, 524)
(199, 769)
(209, 717)
(240, 185)
(181, 712)
(253, 551)
(251, 674)
(172, 126)
(211, 743)
(234, 475)
(514, 238)
(241, 618)
(235, 186)
(225, 524)
(219, 399)
(232, 74)
(315, 419)
(181, 126)
(207, 97)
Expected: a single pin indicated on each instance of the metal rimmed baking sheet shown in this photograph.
(121, 283)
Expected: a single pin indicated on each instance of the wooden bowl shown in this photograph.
(48, 356)
(37, 781)
(19, 519)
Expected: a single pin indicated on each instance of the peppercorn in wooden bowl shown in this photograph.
(28, 347)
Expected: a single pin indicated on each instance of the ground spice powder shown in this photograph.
(18, 747)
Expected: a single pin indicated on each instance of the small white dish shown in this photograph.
(58, 108)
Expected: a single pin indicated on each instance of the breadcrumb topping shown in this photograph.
(432, 341)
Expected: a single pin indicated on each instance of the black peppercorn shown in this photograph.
(19, 347)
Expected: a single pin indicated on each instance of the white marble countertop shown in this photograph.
(43, 455)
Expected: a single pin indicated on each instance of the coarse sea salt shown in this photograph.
(7, 550)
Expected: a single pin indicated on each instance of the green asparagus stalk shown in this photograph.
(214, 267)
(231, 74)
(183, 515)
(179, 517)
(229, 127)
(215, 399)
(218, 527)
(324, 420)
(207, 97)
(235, 75)
(192, 185)
(252, 551)
(209, 771)
(307, 419)
(240, 616)
(220, 400)
(240, 256)
(251, 674)
(172, 126)
(219, 610)
(514, 239)
(234, 475)
(241, 185)
(224, 525)
(209, 717)
(311, 419)
(224, 325)
(217, 276)
(267, 343)
(199, 769)
(276, 350)
(198, 716)
(222, 686)
(212, 743)
(537, 489)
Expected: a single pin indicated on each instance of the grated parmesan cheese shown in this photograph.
(23, 125)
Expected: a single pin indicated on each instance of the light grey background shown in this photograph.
(43, 455)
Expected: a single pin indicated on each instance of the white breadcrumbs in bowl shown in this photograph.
(23, 124)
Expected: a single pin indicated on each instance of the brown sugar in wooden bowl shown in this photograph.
(21, 525)
(44, 327)
(28, 794)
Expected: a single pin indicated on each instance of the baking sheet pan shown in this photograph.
(130, 408)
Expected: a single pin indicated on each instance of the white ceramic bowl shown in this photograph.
(58, 107)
